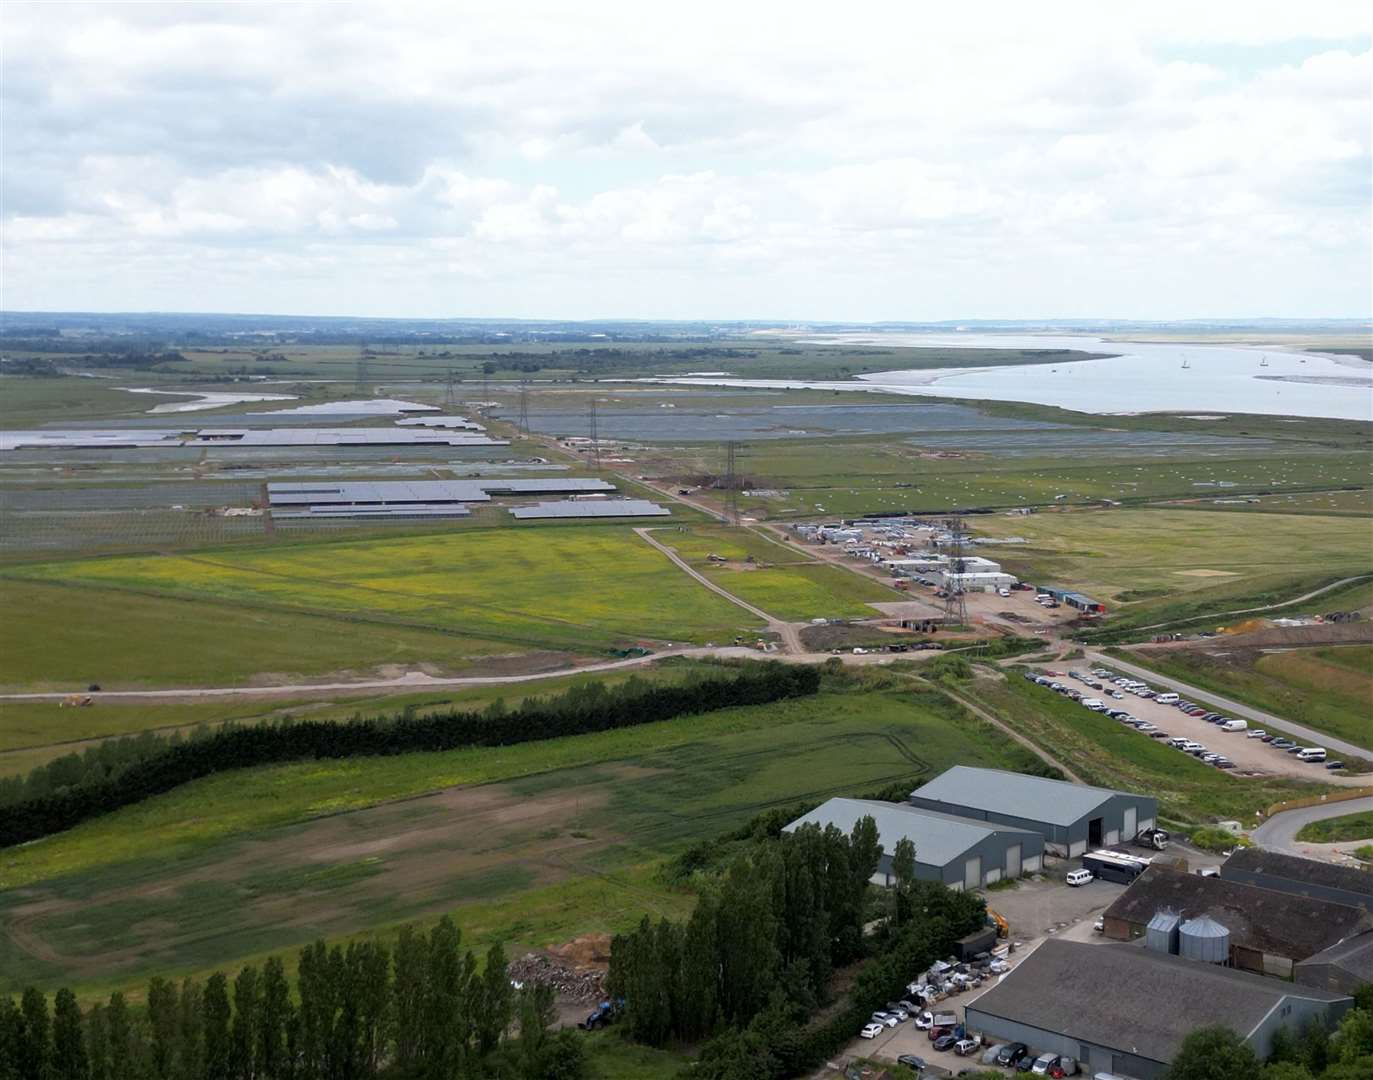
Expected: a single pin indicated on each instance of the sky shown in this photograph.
(745, 160)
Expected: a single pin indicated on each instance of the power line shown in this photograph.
(524, 407)
(955, 603)
(731, 482)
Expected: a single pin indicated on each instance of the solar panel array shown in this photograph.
(574, 508)
(236, 437)
(392, 492)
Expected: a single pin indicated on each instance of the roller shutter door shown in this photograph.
(1033, 865)
(1013, 861)
(972, 872)
(1130, 829)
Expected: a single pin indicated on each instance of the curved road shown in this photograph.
(1279, 833)
(1248, 712)
(1251, 610)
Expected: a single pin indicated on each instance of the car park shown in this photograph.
(871, 1031)
(1012, 1053)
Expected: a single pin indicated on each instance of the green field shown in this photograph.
(1339, 830)
(559, 587)
(782, 579)
(1148, 565)
(556, 838)
(1108, 754)
(1328, 688)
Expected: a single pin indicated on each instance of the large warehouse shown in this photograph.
(1302, 877)
(1072, 818)
(960, 853)
(1125, 1010)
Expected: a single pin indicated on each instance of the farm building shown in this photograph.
(1072, 818)
(1125, 1010)
(1342, 968)
(976, 582)
(1302, 877)
(1075, 600)
(958, 852)
(1269, 932)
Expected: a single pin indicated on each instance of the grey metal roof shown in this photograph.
(1132, 999)
(164, 438)
(1294, 868)
(1354, 955)
(939, 838)
(1014, 794)
(569, 508)
(433, 492)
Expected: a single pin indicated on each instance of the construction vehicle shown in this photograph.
(1003, 928)
(602, 1014)
(76, 701)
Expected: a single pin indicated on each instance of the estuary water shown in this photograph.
(1142, 377)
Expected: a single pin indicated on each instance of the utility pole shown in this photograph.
(364, 372)
(955, 604)
(524, 407)
(450, 395)
(731, 482)
(595, 438)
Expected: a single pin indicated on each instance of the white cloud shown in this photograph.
(879, 161)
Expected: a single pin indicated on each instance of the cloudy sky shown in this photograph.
(854, 161)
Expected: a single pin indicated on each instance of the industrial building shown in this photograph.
(963, 854)
(605, 508)
(1072, 818)
(1301, 877)
(1126, 1010)
(1342, 968)
(976, 582)
(1267, 932)
(411, 498)
(1075, 600)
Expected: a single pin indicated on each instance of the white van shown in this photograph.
(1234, 725)
(1311, 753)
(1078, 877)
(1167, 699)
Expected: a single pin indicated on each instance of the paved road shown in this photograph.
(1279, 833)
(1247, 712)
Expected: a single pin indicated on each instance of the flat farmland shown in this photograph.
(581, 588)
(1143, 561)
(1330, 689)
(783, 580)
(530, 844)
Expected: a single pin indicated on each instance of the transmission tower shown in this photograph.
(524, 406)
(955, 604)
(450, 394)
(595, 437)
(731, 482)
(364, 375)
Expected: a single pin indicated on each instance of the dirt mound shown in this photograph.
(1249, 626)
(589, 950)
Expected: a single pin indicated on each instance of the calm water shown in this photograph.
(1144, 377)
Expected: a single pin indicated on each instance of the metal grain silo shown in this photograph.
(1162, 933)
(1204, 939)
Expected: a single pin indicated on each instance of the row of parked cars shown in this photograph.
(943, 979)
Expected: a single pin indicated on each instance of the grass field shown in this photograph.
(554, 839)
(1106, 753)
(559, 587)
(783, 580)
(1144, 564)
(1330, 689)
(1338, 830)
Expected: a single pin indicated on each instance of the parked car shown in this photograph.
(1078, 877)
(1157, 734)
(945, 1042)
(1224, 763)
(1266, 737)
(1332, 765)
(871, 1031)
(1026, 1063)
(1043, 1064)
(1255, 733)
(1066, 1067)
(925, 1020)
(989, 1055)
(1012, 1053)
(1100, 925)
(910, 1007)
(912, 1062)
(966, 1045)
(896, 1011)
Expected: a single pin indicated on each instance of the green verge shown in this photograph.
(1330, 689)
(146, 888)
(1107, 753)
(1338, 830)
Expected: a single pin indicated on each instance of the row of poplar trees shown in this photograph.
(426, 1010)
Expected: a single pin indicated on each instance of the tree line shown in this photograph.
(98, 782)
(425, 1010)
(755, 960)
(1217, 1053)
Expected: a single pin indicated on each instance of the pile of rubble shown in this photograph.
(567, 981)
